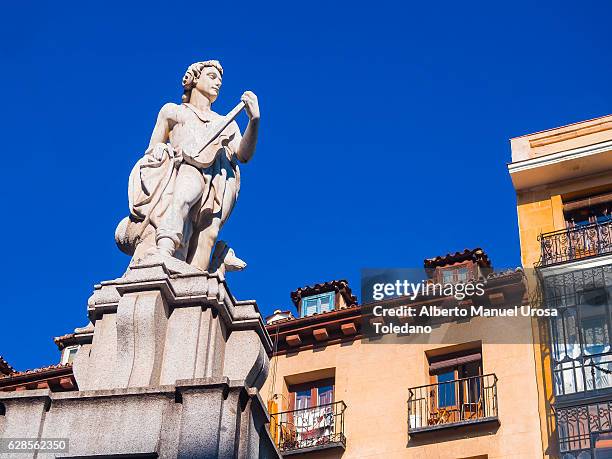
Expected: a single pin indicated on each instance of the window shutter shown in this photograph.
(325, 303)
(310, 306)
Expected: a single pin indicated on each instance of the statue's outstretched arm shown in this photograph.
(164, 124)
(246, 150)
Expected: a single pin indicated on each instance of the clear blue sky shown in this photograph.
(384, 134)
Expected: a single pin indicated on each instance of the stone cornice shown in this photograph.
(180, 290)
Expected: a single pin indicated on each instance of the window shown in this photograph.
(325, 395)
(580, 334)
(456, 274)
(446, 389)
(458, 380)
(69, 353)
(302, 399)
(585, 211)
(317, 304)
(310, 395)
(456, 393)
(587, 218)
(311, 419)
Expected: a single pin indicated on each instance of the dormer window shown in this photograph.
(317, 304)
(323, 297)
(455, 274)
(459, 267)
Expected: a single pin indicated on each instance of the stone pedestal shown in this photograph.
(173, 370)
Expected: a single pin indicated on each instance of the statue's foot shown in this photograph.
(232, 262)
(162, 250)
(151, 251)
(153, 256)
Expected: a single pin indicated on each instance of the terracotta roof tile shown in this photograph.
(57, 378)
(476, 255)
(81, 335)
(5, 368)
(60, 341)
(38, 371)
(63, 337)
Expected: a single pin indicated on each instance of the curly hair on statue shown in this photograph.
(192, 74)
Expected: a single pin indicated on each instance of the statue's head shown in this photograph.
(204, 77)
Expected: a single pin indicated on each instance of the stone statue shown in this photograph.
(178, 204)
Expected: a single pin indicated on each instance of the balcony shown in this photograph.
(575, 243)
(309, 429)
(584, 430)
(454, 403)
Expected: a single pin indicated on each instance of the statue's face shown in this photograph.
(209, 83)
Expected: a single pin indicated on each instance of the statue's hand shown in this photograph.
(157, 151)
(251, 105)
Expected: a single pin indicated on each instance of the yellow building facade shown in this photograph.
(467, 390)
(563, 183)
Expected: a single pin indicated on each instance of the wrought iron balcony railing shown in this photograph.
(309, 428)
(452, 403)
(584, 430)
(575, 243)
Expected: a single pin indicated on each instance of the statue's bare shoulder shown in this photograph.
(172, 112)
